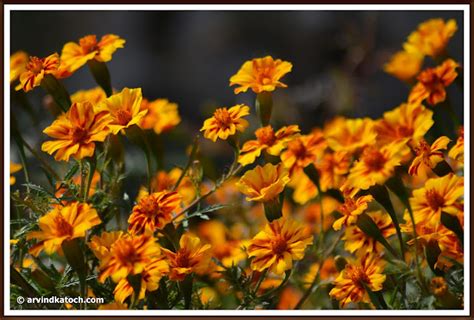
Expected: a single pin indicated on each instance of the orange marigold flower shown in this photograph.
(269, 140)
(332, 169)
(36, 70)
(432, 36)
(153, 212)
(100, 245)
(432, 83)
(265, 183)
(405, 64)
(18, 62)
(358, 241)
(303, 150)
(124, 109)
(304, 188)
(376, 165)
(457, 151)
(94, 96)
(261, 74)
(162, 115)
(289, 298)
(191, 257)
(150, 280)
(327, 272)
(128, 255)
(409, 120)
(75, 55)
(278, 245)
(63, 224)
(312, 214)
(226, 122)
(349, 285)
(14, 167)
(351, 209)
(428, 156)
(349, 134)
(76, 132)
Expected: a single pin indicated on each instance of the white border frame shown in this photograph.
(257, 7)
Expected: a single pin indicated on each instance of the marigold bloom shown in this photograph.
(327, 272)
(75, 55)
(153, 212)
(269, 140)
(76, 132)
(162, 115)
(191, 257)
(100, 245)
(405, 64)
(349, 134)
(312, 214)
(376, 165)
(438, 195)
(358, 241)
(432, 83)
(124, 109)
(150, 280)
(263, 183)
(130, 254)
(18, 62)
(304, 188)
(351, 209)
(428, 156)
(289, 298)
(349, 285)
(332, 169)
(226, 122)
(409, 120)
(303, 150)
(14, 167)
(432, 36)
(36, 70)
(94, 96)
(438, 286)
(457, 151)
(280, 243)
(62, 224)
(261, 74)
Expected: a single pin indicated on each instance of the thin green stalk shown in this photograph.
(23, 162)
(260, 280)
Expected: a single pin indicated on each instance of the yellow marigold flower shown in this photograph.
(438, 195)
(327, 272)
(124, 109)
(269, 140)
(438, 286)
(278, 245)
(432, 83)
(349, 285)
(75, 55)
(128, 255)
(409, 120)
(76, 132)
(94, 96)
(376, 165)
(432, 36)
(312, 214)
(457, 151)
(332, 169)
(350, 134)
(162, 115)
(150, 280)
(153, 212)
(351, 209)
(303, 150)
(113, 306)
(358, 241)
(18, 62)
(428, 156)
(261, 74)
(405, 64)
(14, 167)
(207, 295)
(226, 122)
(263, 183)
(36, 69)
(304, 188)
(100, 246)
(62, 224)
(191, 257)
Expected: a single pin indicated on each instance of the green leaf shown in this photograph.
(452, 223)
(57, 90)
(432, 252)
(101, 74)
(186, 288)
(72, 171)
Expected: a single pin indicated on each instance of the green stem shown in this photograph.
(259, 282)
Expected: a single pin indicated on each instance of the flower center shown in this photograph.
(126, 253)
(374, 159)
(182, 259)
(357, 275)
(264, 73)
(404, 131)
(88, 43)
(279, 245)
(79, 135)
(35, 65)
(123, 117)
(348, 206)
(422, 148)
(63, 228)
(223, 117)
(266, 135)
(434, 199)
(297, 148)
(149, 206)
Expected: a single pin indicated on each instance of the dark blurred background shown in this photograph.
(189, 56)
